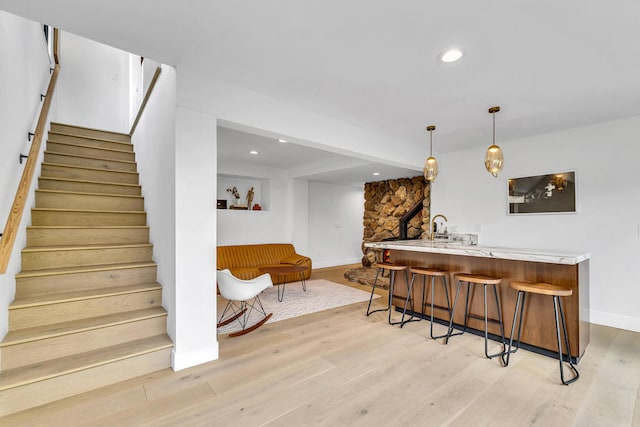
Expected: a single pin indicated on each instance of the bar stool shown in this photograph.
(478, 279)
(556, 292)
(432, 273)
(392, 268)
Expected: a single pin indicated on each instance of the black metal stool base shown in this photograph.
(557, 306)
(392, 277)
(486, 319)
(373, 289)
(431, 304)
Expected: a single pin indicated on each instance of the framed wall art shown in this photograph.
(543, 194)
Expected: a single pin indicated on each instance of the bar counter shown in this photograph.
(568, 269)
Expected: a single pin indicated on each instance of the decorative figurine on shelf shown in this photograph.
(257, 207)
(249, 197)
(234, 193)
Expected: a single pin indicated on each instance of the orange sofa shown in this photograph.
(244, 261)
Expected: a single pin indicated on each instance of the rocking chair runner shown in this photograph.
(243, 298)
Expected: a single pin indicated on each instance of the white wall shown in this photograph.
(237, 227)
(154, 145)
(93, 84)
(605, 158)
(335, 224)
(299, 208)
(24, 75)
(176, 151)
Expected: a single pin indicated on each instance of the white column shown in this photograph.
(195, 225)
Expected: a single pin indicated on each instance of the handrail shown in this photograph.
(56, 45)
(13, 221)
(147, 95)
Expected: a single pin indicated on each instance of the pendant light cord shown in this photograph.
(430, 143)
(494, 128)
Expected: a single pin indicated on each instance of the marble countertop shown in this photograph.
(517, 254)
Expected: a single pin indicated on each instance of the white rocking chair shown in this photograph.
(243, 298)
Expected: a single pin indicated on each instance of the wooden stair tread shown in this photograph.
(53, 124)
(84, 167)
(81, 227)
(72, 135)
(89, 128)
(84, 210)
(90, 182)
(65, 365)
(82, 269)
(19, 336)
(78, 295)
(126, 196)
(84, 247)
(89, 157)
(93, 147)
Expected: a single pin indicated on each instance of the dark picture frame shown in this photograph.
(553, 193)
(221, 204)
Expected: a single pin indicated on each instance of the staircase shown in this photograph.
(87, 311)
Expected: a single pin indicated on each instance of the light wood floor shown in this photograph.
(339, 367)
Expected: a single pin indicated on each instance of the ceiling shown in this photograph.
(373, 64)
(303, 162)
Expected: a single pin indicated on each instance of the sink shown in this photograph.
(455, 239)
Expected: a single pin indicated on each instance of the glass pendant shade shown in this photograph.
(431, 164)
(493, 160)
(430, 169)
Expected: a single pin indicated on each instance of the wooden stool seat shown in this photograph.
(391, 266)
(541, 288)
(428, 271)
(478, 278)
(431, 273)
(555, 292)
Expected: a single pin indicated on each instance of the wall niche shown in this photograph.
(243, 184)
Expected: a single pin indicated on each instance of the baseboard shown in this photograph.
(193, 357)
(615, 320)
(333, 263)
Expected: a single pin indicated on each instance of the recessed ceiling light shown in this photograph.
(284, 141)
(451, 55)
(376, 173)
(253, 152)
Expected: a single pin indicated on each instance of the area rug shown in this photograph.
(320, 295)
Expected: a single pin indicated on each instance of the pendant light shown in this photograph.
(494, 160)
(431, 164)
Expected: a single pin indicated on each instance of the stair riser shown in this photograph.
(69, 258)
(39, 285)
(38, 351)
(98, 143)
(63, 159)
(74, 236)
(87, 218)
(62, 312)
(45, 199)
(59, 171)
(88, 187)
(36, 394)
(91, 133)
(79, 150)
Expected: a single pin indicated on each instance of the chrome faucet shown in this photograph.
(432, 233)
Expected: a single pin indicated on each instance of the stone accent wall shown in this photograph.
(385, 202)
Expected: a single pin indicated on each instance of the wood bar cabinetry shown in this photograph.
(539, 326)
